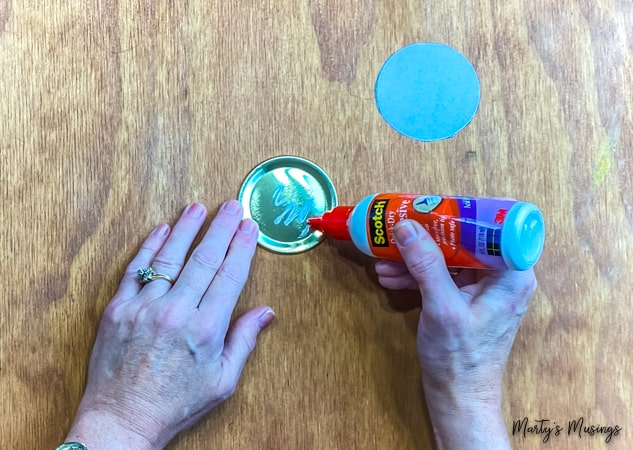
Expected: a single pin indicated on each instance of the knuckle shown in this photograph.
(530, 289)
(526, 287)
(208, 260)
(233, 275)
(114, 312)
(445, 315)
(243, 241)
(166, 264)
(149, 247)
(526, 293)
(227, 389)
(225, 222)
(131, 270)
(450, 317)
(424, 263)
(169, 317)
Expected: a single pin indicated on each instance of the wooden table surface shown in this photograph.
(117, 113)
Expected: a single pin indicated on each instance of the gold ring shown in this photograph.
(148, 274)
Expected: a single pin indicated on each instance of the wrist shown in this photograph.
(466, 422)
(452, 400)
(463, 389)
(103, 430)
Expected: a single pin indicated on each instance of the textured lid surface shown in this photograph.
(281, 194)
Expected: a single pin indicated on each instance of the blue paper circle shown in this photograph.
(427, 91)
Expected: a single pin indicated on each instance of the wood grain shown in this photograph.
(117, 113)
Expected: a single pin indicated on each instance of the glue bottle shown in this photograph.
(480, 233)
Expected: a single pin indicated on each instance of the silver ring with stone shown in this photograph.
(148, 274)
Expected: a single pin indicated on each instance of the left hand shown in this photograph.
(165, 355)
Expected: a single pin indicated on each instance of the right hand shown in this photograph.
(468, 322)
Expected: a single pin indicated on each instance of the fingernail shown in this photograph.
(248, 226)
(405, 233)
(232, 206)
(160, 230)
(195, 210)
(266, 317)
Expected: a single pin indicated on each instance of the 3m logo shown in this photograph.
(377, 228)
(501, 216)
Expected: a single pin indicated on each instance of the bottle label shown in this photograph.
(467, 230)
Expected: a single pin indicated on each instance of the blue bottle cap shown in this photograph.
(522, 236)
(427, 91)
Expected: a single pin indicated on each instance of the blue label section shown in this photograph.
(493, 242)
(468, 211)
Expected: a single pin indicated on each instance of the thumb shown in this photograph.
(241, 339)
(425, 262)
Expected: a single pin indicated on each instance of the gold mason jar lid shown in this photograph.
(281, 194)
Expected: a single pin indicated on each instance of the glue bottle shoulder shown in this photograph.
(357, 224)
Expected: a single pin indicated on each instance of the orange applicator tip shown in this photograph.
(333, 223)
